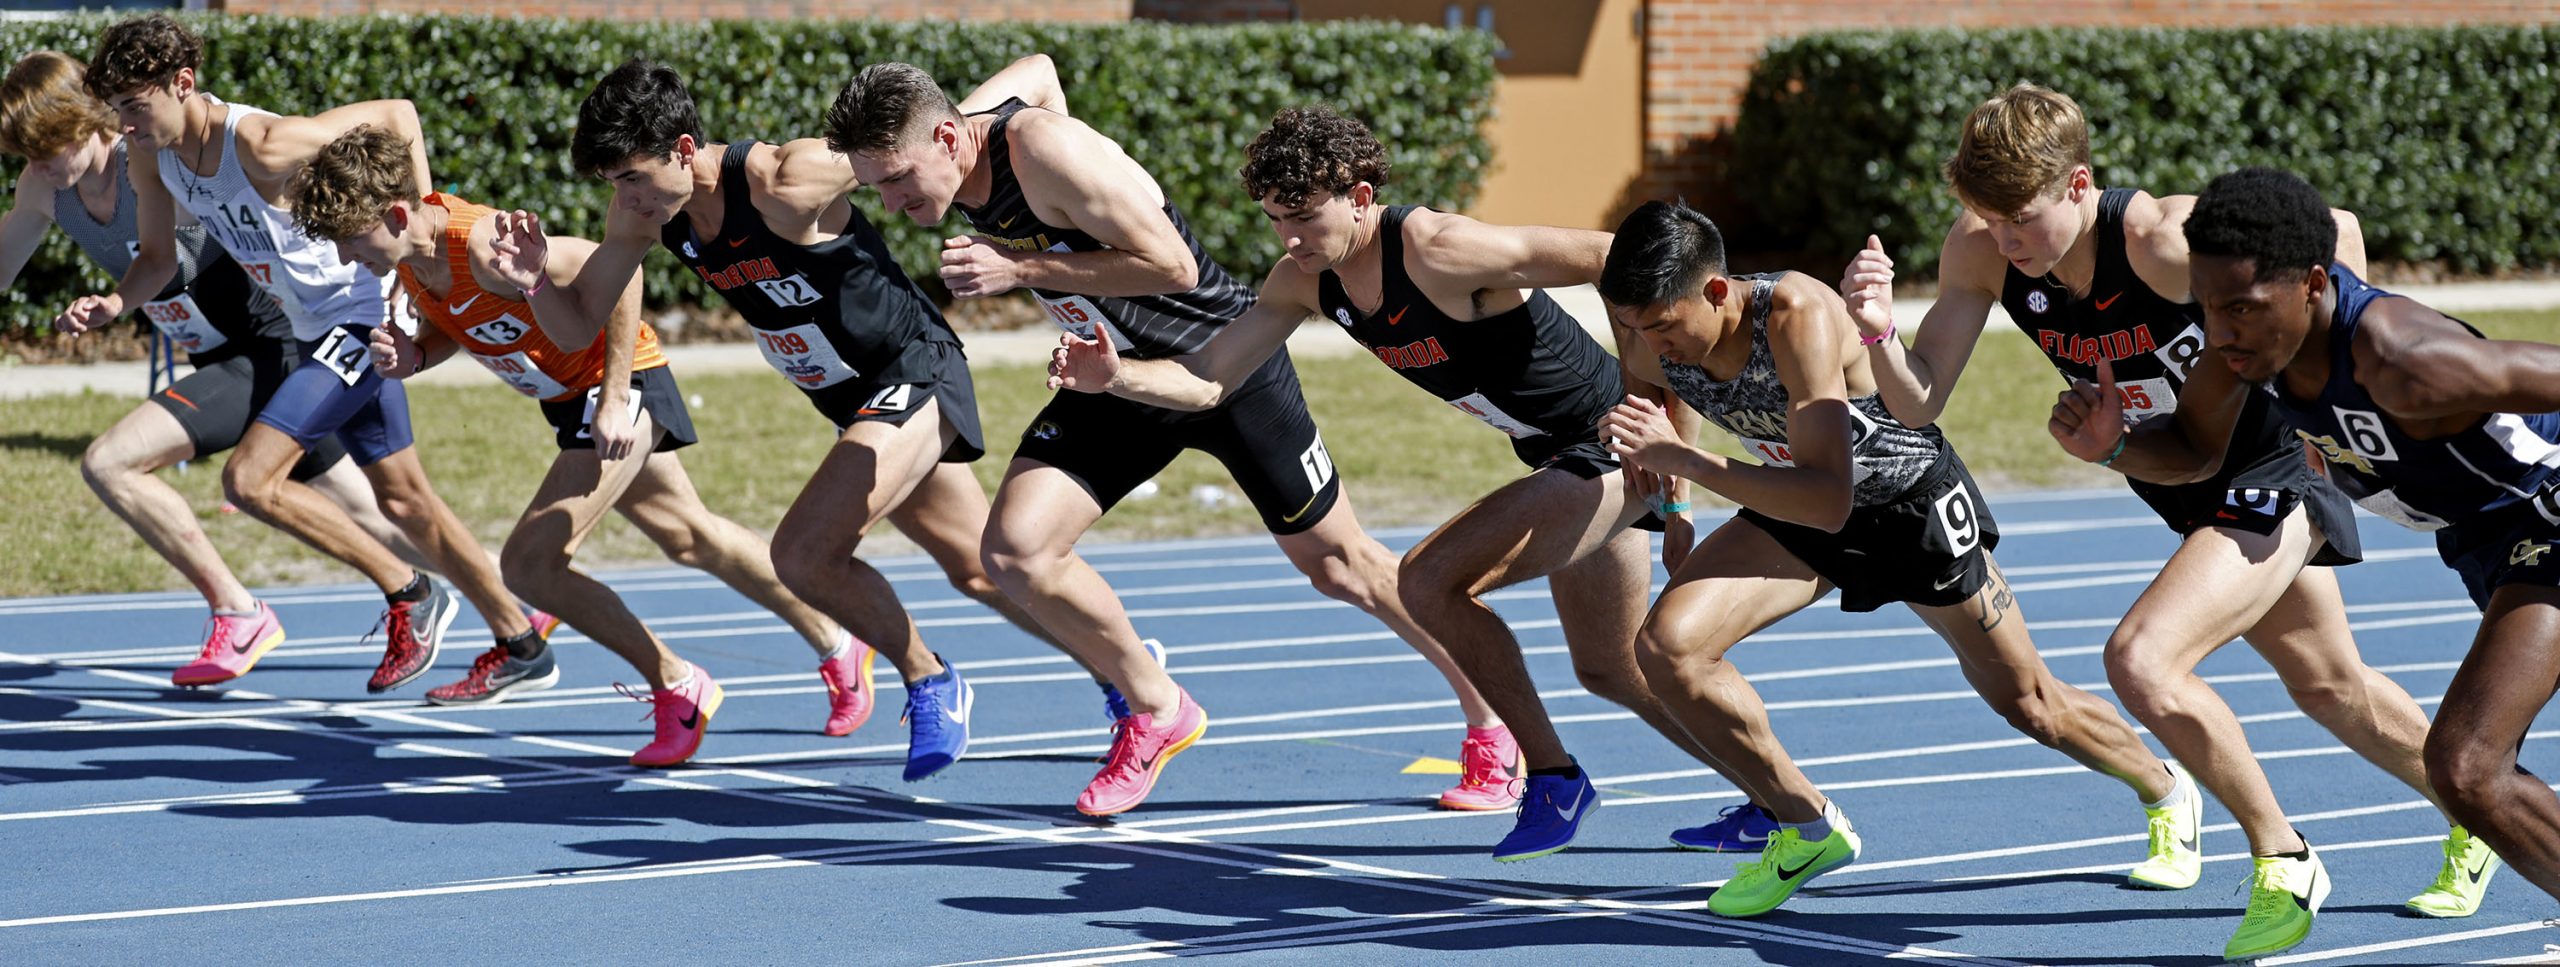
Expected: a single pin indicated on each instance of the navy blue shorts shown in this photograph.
(2520, 548)
(335, 391)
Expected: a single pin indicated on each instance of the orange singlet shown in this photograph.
(499, 332)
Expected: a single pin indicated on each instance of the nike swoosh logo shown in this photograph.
(241, 647)
(735, 242)
(460, 307)
(1751, 837)
(1302, 511)
(1787, 874)
(2476, 872)
(2108, 301)
(1950, 582)
(693, 721)
(1008, 223)
(1399, 316)
(1570, 814)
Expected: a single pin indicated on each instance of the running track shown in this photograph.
(294, 820)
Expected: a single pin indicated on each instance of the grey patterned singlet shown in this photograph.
(1886, 457)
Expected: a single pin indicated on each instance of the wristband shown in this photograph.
(1878, 337)
(2118, 452)
(539, 282)
(1668, 509)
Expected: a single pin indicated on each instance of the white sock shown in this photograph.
(1820, 828)
(2177, 794)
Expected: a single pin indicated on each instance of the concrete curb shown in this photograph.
(1316, 340)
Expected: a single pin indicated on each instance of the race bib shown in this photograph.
(518, 370)
(2387, 505)
(1476, 405)
(1077, 314)
(2147, 398)
(789, 292)
(803, 355)
(1769, 452)
(184, 323)
(504, 330)
(587, 420)
(344, 354)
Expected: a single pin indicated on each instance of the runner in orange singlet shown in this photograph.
(613, 405)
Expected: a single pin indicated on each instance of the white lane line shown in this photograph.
(2341, 953)
(1257, 863)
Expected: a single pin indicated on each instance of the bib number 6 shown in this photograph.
(1958, 522)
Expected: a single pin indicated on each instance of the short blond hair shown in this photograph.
(344, 190)
(45, 106)
(2019, 146)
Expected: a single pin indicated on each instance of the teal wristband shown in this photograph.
(1678, 508)
(2119, 451)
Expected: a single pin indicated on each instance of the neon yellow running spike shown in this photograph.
(2175, 862)
(1786, 863)
(2284, 895)
(2468, 865)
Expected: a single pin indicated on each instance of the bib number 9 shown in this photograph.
(1959, 522)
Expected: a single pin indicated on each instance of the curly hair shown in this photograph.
(2270, 216)
(343, 191)
(2018, 146)
(883, 107)
(1663, 251)
(1308, 150)
(140, 53)
(638, 111)
(45, 107)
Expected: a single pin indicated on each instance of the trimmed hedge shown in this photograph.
(498, 99)
(2445, 142)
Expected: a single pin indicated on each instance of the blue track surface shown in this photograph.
(292, 820)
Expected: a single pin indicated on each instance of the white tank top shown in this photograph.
(318, 292)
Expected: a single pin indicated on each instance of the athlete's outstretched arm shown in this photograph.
(1033, 78)
(1197, 381)
(275, 147)
(155, 254)
(1463, 255)
(2421, 365)
(584, 302)
(1916, 382)
(1076, 178)
(2088, 420)
(22, 229)
(810, 183)
(1808, 326)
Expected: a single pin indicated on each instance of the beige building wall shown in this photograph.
(1568, 126)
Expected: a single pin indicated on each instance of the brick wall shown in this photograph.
(1699, 53)
(1068, 10)
(1215, 11)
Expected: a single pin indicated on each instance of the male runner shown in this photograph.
(468, 274)
(2423, 421)
(227, 165)
(1062, 211)
(1451, 304)
(1843, 496)
(2090, 275)
(769, 227)
(237, 340)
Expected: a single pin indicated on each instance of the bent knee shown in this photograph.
(2465, 771)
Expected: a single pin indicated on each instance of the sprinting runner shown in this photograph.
(469, 275)
(1843, 496)
(2422, 420)
(769, 226)
(228, 165)
(1060, 210)
(238, 342)
(1451, 304)
(2089, 275)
